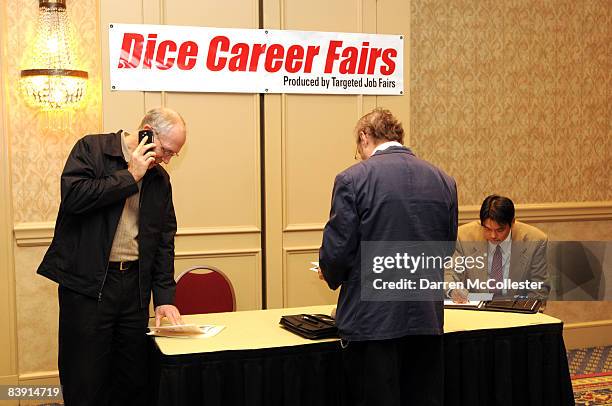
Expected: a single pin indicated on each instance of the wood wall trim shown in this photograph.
(588, 334)
(8, 336)
(217, 230)
(39, 234)
(36, 234)
(588, 324)
(217, 253)
(549, 212)
(9, 380)
(32, 376)
(531, 213)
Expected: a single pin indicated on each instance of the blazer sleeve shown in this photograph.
(83, 190)
(339, 249)
(539, 270)
(454, 214)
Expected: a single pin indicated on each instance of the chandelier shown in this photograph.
(51, 80)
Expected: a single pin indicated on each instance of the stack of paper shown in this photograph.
(185, 331)
(474, 301)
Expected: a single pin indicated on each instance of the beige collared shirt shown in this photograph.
(125, 242)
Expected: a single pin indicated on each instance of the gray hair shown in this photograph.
(162, 119)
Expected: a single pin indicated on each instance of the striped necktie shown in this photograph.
(497, 272)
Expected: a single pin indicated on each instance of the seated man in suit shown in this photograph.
(508, 257)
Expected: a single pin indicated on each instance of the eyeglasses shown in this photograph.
(165, 152)
(357, 155)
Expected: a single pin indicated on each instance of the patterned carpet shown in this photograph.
(591, 370)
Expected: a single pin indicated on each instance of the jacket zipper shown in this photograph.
(139, 207)
(103, 282)
(106, 270)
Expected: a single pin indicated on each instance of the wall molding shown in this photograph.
(304, 227)
(588, 334)
(34, 376)
(217, 230)
(9, 380)
(302, 249)
(9, 364)
(217, 253)
(534, 213)
(288, 251)
(39, 234)
(549, 212)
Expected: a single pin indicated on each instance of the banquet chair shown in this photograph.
(204, 289)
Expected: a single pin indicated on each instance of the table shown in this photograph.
(490, 359)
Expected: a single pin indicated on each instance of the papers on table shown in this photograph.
(185, 331)
(475, 301)
(481, 297)
(315, 266)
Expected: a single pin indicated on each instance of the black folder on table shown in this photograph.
(520, 305)
(514, 306)
(312, 326)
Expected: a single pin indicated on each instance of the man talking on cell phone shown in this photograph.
(113, 246)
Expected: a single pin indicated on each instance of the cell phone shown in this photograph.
(145, 134)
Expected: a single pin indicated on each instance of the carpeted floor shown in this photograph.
(591, 370)
(593, 389)
(590, 360)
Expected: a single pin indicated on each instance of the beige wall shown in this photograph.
(8, 341)
(514, 98)
(548, 153)
(215, 179)
(38, 150)
(309, 140)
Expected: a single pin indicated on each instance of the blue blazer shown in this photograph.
(392, 196)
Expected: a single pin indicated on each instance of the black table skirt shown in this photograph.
(524, 366)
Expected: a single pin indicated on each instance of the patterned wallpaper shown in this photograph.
(514, 97)
(39, 149)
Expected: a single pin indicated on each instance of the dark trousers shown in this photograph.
(403, 371)
(102, 344)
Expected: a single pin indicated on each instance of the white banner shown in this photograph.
(202, 59)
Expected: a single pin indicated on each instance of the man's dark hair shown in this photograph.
(497, 208)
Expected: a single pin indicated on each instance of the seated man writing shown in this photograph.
(500, 256)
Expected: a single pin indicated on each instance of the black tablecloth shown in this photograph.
(524, 366)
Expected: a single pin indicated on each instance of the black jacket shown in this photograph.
(94, 186)
(392, 196)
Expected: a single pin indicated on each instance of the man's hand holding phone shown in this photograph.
(142, 158)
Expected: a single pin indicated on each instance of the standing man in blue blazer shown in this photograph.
(392, 350)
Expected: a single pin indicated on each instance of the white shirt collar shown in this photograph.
(386, 145)
(505, 245)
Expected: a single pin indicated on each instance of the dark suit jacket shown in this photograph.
(392, 196)
(94, 184)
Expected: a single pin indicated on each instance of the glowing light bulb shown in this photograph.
(52, 45)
